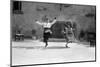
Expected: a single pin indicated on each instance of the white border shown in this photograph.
(5, 32)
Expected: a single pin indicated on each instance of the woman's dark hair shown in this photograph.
(68, 24)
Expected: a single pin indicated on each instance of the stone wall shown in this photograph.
(34, 11)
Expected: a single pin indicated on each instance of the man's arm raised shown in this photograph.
(54, 21)
(38, 22)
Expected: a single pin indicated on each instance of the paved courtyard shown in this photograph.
(34, 52)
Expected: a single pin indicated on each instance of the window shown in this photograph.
(17, 7)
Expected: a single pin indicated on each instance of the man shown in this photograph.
(46, 24)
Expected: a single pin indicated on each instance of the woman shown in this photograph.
(68, 32)
(46, 24)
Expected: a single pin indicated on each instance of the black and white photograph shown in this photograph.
(52, 33)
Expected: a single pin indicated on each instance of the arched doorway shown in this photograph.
(57, 29)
